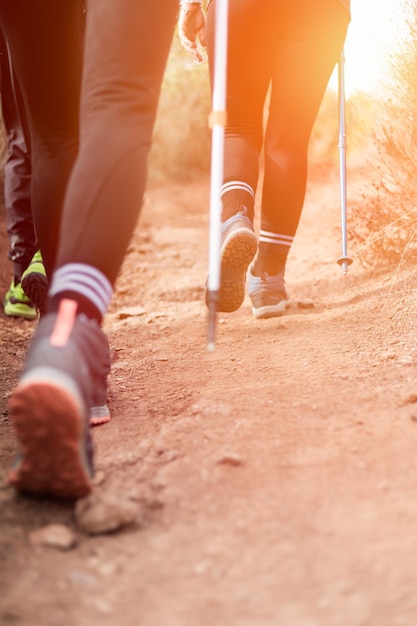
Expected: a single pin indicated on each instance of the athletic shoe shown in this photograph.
(35, 282)
(49, 408)
(238, 247)
(268, 295)
(17, 304)
(99, 411)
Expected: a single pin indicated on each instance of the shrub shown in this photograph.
(385, 231)
(182, 139)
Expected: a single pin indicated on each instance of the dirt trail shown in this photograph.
(275, 478)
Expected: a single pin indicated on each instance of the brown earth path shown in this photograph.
(275, 479)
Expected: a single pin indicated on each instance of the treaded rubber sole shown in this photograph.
(20, 310)
(271, 310)
(50, 427)
(237, 252)
(99, 415)
(35, 286)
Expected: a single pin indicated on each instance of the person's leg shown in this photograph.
(45, 45)
(17, 171)
(126, 48)
(303, 62)
(248, 76)
(304, 58)
(26, 295)
(123, 68)
(17, 181)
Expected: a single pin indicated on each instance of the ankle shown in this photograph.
(84, 306)
(268, 265)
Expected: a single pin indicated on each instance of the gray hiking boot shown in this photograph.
(238, 247)
(268, 295)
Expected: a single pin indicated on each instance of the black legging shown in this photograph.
(127, 43)
(292, 45)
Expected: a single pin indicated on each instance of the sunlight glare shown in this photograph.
(374, 33)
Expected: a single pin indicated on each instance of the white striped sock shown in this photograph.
(86, 280)
(266, 236)
(237, 185)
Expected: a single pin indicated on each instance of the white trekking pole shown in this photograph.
(344, 260)
(217, 122)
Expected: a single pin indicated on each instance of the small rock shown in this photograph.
(53, 536)
(387, 355)
(167, 456)
(133, 311)
(406, 360)
(234, 460)
(81, 578)
(101, 513)
(411, 399)
(305, 303)
(99, 478)
(108, 569)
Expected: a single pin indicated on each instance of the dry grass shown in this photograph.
(181, 140)
(385, 233)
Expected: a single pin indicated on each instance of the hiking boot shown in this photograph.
(238, 247)
(35, 282)
(17, 304)
(268, 295)
(49, 408)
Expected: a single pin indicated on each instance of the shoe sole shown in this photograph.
(35, 286)
(99, 415)
(12, 311)
(49, 423)
(272, 310)
(237, 252)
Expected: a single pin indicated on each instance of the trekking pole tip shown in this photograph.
(211, 300)
(345, 261)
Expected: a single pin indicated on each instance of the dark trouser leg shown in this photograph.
(17, 170)
(44, 39)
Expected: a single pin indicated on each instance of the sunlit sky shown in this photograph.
(375, 30)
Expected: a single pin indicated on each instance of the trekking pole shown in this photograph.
(217, 122)
(344, 260)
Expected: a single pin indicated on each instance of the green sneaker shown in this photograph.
(17, 304)
(35, 282)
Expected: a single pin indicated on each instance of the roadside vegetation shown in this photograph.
(383, 225)
(181, 139)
